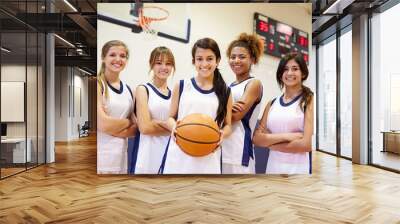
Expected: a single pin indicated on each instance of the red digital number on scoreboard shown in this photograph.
(302, 41)
(263, 26)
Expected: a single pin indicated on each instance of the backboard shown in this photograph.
(175, 26)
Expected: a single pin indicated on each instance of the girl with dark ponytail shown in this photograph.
(206, 93)
(286, 126)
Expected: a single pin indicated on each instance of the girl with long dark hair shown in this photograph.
(206, 93)
(286, 126)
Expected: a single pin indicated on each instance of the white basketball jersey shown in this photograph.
(112, 151)
(287, 118)
(149, 150)
(193, 100)
(237, 149)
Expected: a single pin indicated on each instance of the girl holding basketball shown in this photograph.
(207, 94)
(116, 121)
(286, 126)
(237, 150)
(152, 110)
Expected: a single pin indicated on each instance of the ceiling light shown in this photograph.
(5, 50)
(80, 51)
(65, 41)
(84, 71)
(337, 7)
(70, 5)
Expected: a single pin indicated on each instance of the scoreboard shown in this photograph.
(280, 38)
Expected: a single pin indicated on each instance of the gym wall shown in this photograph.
(223, 22)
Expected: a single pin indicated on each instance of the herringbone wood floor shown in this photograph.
(70, 191)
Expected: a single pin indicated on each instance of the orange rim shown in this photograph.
(159, 8)
(144, 21)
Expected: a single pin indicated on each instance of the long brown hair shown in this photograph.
(101, 79)
(307, 93)
(219, 85)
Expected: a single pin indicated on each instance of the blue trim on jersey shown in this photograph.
(131, 145)
(161, 170)
(199, 89)
(272, 101)
(220, 161)
(310, 161)
(134, 108)
(121, 87)
(181, 82)
(291, 102)
(235, 84)
(135, 150)
(247, 144)
(130, 91)
(165, 97)
(147, 90)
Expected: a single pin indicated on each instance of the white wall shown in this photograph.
(12, 73)
(70, 83)
(222, 22)
(33, 126)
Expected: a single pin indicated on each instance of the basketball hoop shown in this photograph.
(149, 14)
(140, 19)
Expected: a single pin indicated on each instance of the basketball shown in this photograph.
(197, 135)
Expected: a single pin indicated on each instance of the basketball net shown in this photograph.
(149, 14)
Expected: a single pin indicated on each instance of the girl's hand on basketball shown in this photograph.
(174, 131)
(238, 106)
